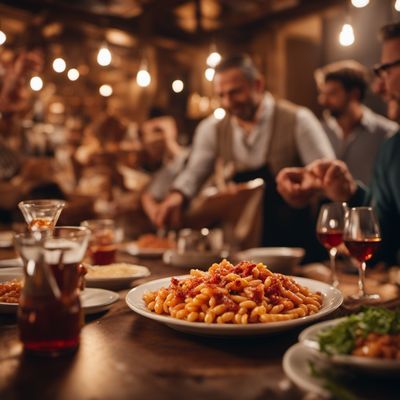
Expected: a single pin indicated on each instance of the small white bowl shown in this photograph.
(277, 259)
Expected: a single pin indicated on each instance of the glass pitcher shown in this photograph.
(49, 313)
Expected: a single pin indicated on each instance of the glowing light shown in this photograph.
(105, 90)
(36, 83)
(219, 113)
(346, 36)
(57, 108)
(209, 74)
(104, 56)
(177, 86)
(73, 74)
(3, 37)
(59, 65)
(143, 78)
(397, 5)
(360, 3)
(213, 59)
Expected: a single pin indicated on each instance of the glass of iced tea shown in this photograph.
(330, 226)
(103, 242)
(362, 238)
(41, 215)
(49, 313)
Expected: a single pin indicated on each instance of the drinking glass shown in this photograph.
(330, 226)
(103, 242)
(362, 238)
(49, 313)
(41, 215)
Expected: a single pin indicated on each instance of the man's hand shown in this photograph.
(297, 186)
(335, 177)
(170, 211)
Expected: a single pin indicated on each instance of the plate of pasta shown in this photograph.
(242, 299)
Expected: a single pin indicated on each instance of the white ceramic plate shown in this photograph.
(192, 259)
(371, 365)
(93, 301)
(295, 365)
(332, 300)
(134, 250)
(11, 262)
(107, 277)
(6, 238)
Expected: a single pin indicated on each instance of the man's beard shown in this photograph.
(246, 113)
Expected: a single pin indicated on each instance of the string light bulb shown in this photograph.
(3, 37)
(209, 74)
(36, 83)
(359, 3)
(143, 77)
(397, 5)
(105, 90)
(73, 74)
(177, 86)
(214, 57)
(59, 65)
(346, 36)
(219, 113)
(104, 56)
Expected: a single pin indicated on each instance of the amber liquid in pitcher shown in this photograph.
(51, 324)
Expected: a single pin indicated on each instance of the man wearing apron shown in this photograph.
(258, 136)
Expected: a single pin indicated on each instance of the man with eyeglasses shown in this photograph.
(333, 179)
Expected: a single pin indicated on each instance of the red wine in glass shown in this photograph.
(362, 238)
(330, 238)
(363, 250)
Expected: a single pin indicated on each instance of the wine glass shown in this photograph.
(41, 215)
(330, 226)
(362, 238)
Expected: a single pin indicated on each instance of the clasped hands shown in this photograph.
(329, 178)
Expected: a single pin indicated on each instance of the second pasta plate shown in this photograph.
(332, 299)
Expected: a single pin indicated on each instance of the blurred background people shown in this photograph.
(258, 136)
(333, 179)
(354, 130)
(164, 156)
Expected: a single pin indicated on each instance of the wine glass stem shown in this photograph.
(332, 259)
(361, 279)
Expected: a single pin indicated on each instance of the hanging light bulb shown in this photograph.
(346, 36)
(177, 86)
(73, 74)
(397, 5)
(106, 90)
(209, 74)
(59, 65)
(214, 57)
(104, 56)
(3, 37)
(359, 3)
(36, 83)
(143, 78)
(219, 113)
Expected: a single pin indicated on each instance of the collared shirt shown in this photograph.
(359, 149)
(250, 148)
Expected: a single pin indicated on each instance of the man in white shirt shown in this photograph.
(355, 132)
(258, 136)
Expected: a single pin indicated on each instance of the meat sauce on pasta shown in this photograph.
(238, 294)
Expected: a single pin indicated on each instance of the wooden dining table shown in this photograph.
(123, 355)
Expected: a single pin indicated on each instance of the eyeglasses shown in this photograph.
(379, 69)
